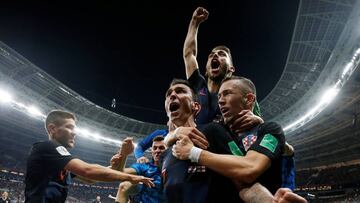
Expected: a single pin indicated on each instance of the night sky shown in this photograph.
(130, 50)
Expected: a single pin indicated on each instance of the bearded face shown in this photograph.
(218, 65)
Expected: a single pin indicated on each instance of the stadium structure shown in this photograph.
(316, 100)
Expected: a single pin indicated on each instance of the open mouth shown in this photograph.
(174, 107)
(224, 110)
(215, 64)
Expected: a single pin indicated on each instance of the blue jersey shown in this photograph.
(146, 194)
(184, 182)
(288, 172)
(146, 143)
(209, 101)
(187, 182)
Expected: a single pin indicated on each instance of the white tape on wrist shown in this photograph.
(195, 154)
(175, 132)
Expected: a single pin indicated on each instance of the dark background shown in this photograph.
(130, 50)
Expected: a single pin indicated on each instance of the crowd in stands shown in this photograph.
(322, 180)
(332, 176)
(336, 184)
(13, 183)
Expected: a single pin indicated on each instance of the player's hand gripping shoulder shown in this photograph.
(196, 137)
(182, 148)
(244, 121)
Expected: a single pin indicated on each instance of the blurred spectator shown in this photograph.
(5, 198)
(97, 200)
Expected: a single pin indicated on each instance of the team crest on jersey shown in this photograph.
(63, 151)
(202, 92)
(248, 141)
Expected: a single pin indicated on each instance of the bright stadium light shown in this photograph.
(357, 52)
(328, 96)
(347, 68)
(34, 111)
(86, 133)
(96, 136)
(5, 97)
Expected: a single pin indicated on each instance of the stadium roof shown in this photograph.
(326, 35)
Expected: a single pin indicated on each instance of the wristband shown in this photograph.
(195, 154)
(175, 132)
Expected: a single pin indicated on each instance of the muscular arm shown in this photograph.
(95, 172)
(190, 44)
(244, 169)
(122, 163)
(100, 173)
(256, 193)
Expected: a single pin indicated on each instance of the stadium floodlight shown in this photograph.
(34, 111)
(86, 133)
(96, 136)
(347, 68)
(83, 132)
(357, 52)
(326, 99)
(329, 95)
(5, 97)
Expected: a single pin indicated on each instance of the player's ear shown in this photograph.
(232, 69)
(51, 128)
(196, 107)
(250, 99)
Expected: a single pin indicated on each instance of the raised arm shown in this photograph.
(190, 44)
(144, 144)
(118, 161)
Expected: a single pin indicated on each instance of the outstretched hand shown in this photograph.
(135, 179)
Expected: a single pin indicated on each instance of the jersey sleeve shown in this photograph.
(270, 141)
(218, 137)
(138, 167)
(54, 154)
(197, 81)
(145, 143)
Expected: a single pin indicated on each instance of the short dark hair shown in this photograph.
(55, 116)
(177, 81)
(226, 49)
(158, 138)
(248, 83)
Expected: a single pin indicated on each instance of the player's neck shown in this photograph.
(213, 86)
(190, 122)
